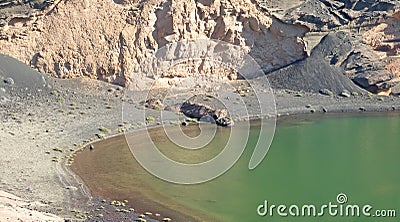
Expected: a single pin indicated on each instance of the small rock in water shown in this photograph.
(224, 121)
(71, 188)
(9, 81)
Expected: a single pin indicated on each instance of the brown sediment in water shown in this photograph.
(110, 171)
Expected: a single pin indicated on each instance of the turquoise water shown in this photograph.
(309, 162)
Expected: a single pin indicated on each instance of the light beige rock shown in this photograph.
(109, 40)
(384, 39)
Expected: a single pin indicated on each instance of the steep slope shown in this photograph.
(110, 39)
(321, 70)
(368, 55)
(325, 15)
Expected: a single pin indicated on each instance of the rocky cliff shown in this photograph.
(108, 40)
(385, 41)
(365, 47)
(325, 15)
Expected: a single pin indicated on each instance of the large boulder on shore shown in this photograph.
(200, 110)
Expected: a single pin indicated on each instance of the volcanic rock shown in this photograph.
(108, 40)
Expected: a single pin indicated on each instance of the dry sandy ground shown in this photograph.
(13, 208)
(39, 132)
(29, 132)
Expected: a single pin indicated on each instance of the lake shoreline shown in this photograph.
(284, 121)
(82, 117)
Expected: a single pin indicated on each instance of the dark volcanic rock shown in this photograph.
(202, 111)
(338, 57)
(196, 110)
(327, 14)
(154, 104)
(357, 60)
(224, 121)
(10, 9)
(311, 75)
(316, 72)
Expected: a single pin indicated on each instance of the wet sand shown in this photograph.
(108, 158)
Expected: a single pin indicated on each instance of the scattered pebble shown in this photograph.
(345, 93)
(71, 188)
(9, 81)
(326, 92)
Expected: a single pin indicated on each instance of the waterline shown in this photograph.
(311, 162)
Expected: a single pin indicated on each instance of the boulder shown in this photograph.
(154, 104)
(345, 93)
(326, 92)
(205, 112)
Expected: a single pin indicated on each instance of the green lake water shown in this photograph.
(310, 161)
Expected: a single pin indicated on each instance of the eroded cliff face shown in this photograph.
(369, 53)
(325, 15)
(108, 40)
(385, 41)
